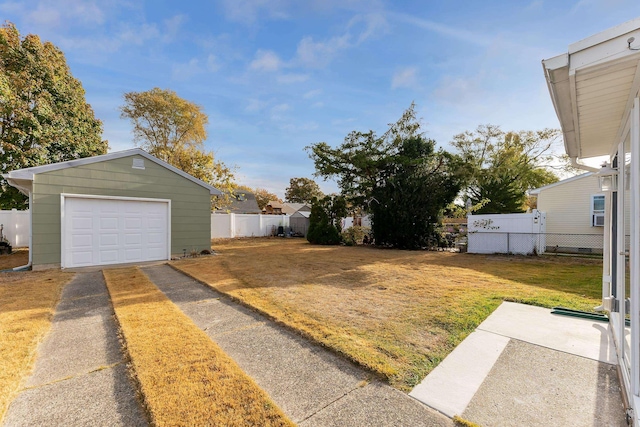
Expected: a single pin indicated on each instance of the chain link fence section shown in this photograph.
(534, 243)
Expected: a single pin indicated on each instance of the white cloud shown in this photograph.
(212, 63)
(266, 60)
(172, 27)
(184, 71)
(374, 24)
(444, 30)
(534, 5)
(292, 78)
(405, 78)
(277, 112)
(255, 105)
(57, 13)
(248, 11)
(317, 105)
(312, 93)
(458, 90)
(319, 54)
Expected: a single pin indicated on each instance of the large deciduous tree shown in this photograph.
(503, 166)
(302, 190)
(173, 129)
(399, 178)
(44, 117)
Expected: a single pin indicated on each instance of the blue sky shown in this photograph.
(277, 75)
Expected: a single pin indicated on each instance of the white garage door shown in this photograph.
(113, 231)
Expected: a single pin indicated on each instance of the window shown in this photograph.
(597, 210)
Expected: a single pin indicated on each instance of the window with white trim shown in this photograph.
(597, 210)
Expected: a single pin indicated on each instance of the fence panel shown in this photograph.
(15, 225)
(246, 225)
(493, 242)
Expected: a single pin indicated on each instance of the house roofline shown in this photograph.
(27, 174)
(537, 191)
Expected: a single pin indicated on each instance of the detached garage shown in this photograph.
(122, 207)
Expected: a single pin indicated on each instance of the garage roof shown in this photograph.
(592, 87)
(23, 178)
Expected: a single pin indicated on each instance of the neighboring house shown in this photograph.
(277, 208)
(273, 208)
(241, 202)
(574, 209)
(291, 208)
(122, 207)
(595, 89)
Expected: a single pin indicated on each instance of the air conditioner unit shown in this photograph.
(598, 220)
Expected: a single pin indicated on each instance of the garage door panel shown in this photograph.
(109, 223)
(133, 255)
(112, 231)
(107, 240)
(109, 257)
(82, 222)
(79, 240)
(132, 223)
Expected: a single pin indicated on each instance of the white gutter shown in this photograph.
(578, 165)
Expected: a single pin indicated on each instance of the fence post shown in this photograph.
(232, 225)
(508, 246)
(261, 226)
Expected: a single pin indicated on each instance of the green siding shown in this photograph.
(190, 202)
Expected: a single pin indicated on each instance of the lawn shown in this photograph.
(27, 304)
(398, 313)
(18, 258)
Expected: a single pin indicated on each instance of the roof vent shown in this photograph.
(138, 163)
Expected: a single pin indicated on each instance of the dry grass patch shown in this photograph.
(19, 257)
(27, 305)
(185, 378)
(398, 313)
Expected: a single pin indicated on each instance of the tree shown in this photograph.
(44, 117)
(263, 196)
(302, 190)
(399, 178)
(503, 166)
(325, 218)
(412, 192)
(173, 129)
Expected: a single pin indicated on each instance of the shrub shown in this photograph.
(354, 235)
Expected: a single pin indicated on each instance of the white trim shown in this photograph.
(64, 196)
(606, 35)
(28, 173)
(634, 248)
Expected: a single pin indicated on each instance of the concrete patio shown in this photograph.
(526, 366)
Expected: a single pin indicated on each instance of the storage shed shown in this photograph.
(121, 207)
(299, 222)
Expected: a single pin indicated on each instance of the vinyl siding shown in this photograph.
(190, 203)
(568, 206)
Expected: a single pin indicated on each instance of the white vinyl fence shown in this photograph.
(246, 225)
(15, 226)
(521, 234)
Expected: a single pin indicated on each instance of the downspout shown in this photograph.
(28, 265)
